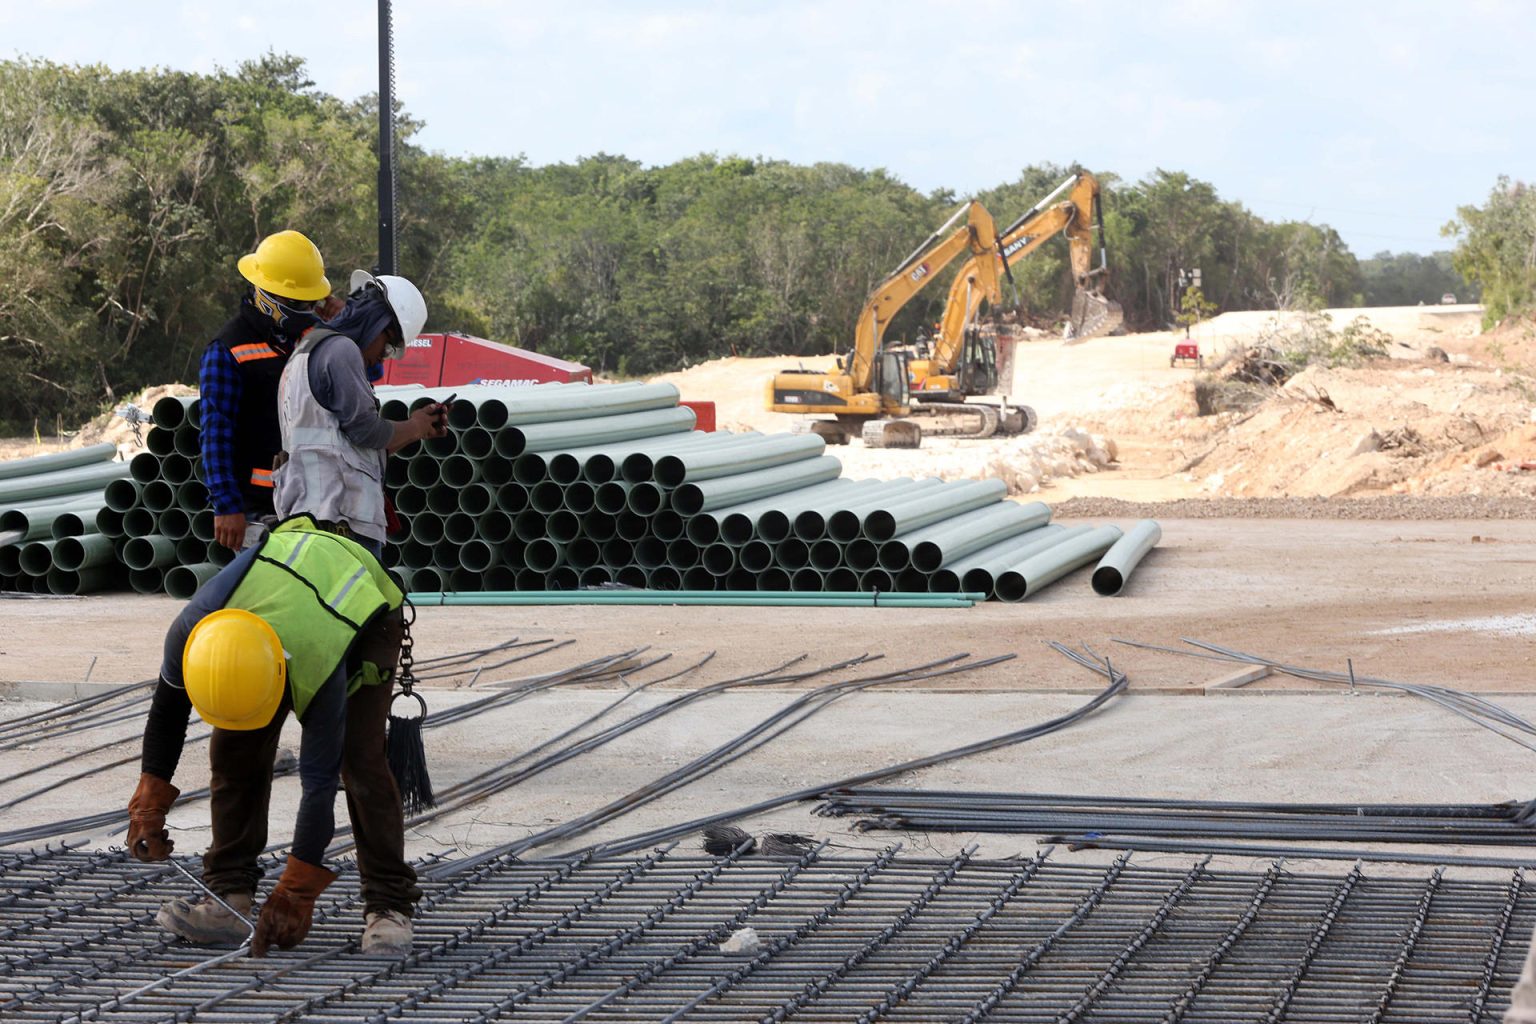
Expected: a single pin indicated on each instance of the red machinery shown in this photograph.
(1189, 351)
(451, 359)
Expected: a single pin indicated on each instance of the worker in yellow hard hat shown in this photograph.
(306, 621)
(287, 294)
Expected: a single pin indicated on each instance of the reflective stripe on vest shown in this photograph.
(317, 591)
(261, 477)
(255, 350)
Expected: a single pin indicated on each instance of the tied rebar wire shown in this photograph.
(886, 936)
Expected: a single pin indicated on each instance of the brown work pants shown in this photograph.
(242, 789)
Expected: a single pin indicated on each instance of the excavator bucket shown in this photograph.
(1093, 315)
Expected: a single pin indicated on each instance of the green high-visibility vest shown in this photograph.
(317, 591)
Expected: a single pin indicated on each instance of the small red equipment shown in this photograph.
(1189, 351)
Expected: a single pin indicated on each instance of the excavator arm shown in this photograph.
(978, 236)
(1077, 218)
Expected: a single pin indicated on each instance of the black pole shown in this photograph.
(386, 263)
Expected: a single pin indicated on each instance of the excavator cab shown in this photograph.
(978, 363)
(894, 388)
(891, 380)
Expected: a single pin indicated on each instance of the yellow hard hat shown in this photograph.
(287, 264)
(234, 669)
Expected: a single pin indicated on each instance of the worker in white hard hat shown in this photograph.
(308, 622)
(334, 439)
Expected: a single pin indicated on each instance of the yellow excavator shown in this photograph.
(963, 360)
(867, 394)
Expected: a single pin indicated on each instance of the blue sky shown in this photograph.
(1378, 118)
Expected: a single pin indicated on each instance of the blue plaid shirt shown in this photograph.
(218, 384)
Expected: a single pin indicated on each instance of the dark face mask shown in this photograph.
(292, 316)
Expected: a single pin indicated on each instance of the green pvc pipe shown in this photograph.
(171, 411)
(138, 522)
(83, 552)
(541, 437)
(674, 470)
(36, 520)
(174, 523)
(159, 442)
(639, 466)
(459, 527)
(59, 483)
(192, 497)
(202, 524)
(146, 581)
(189, 441)
(977, 571)
(85, 581)
(526, 406)
(925, 509)
(1119, 561)
(692, 498)
(152, 552)
(600, 463)
(37, 465)
(563, 526)
(793, 599)
(189, 549)
(702, 596)
(10, 563)
(183, 581)
(931, 546)
(1040, 570)
(122, 495)
(109, 521)
(478, 556)
(145, 467)
(844, 521)
(158, 496)
(37, 557)
(410, 500)
(772, 518)
(442, 500)
(218, 554)
(176, 469)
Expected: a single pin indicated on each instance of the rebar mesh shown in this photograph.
(846, 938)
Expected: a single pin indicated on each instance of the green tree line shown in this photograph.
(126, 198)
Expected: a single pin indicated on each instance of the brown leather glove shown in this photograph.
(290, 908)
(147, 837)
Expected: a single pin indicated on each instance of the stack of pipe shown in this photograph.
(556, 487)
(159, 515)
(49, 540)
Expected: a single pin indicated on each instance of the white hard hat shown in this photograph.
(404, 299)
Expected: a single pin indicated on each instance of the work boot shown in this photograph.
(206, 922)
(387, 933)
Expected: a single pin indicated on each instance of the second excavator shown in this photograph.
(879, 393)
(963, 363)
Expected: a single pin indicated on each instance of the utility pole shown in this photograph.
(386, 264)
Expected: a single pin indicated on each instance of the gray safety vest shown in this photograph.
(326, 475)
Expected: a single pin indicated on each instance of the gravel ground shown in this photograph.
(1463, 506)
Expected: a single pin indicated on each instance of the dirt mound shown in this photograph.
(112, 427)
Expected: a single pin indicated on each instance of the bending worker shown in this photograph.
(307, 622)
(334, 439)
(238, 376)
